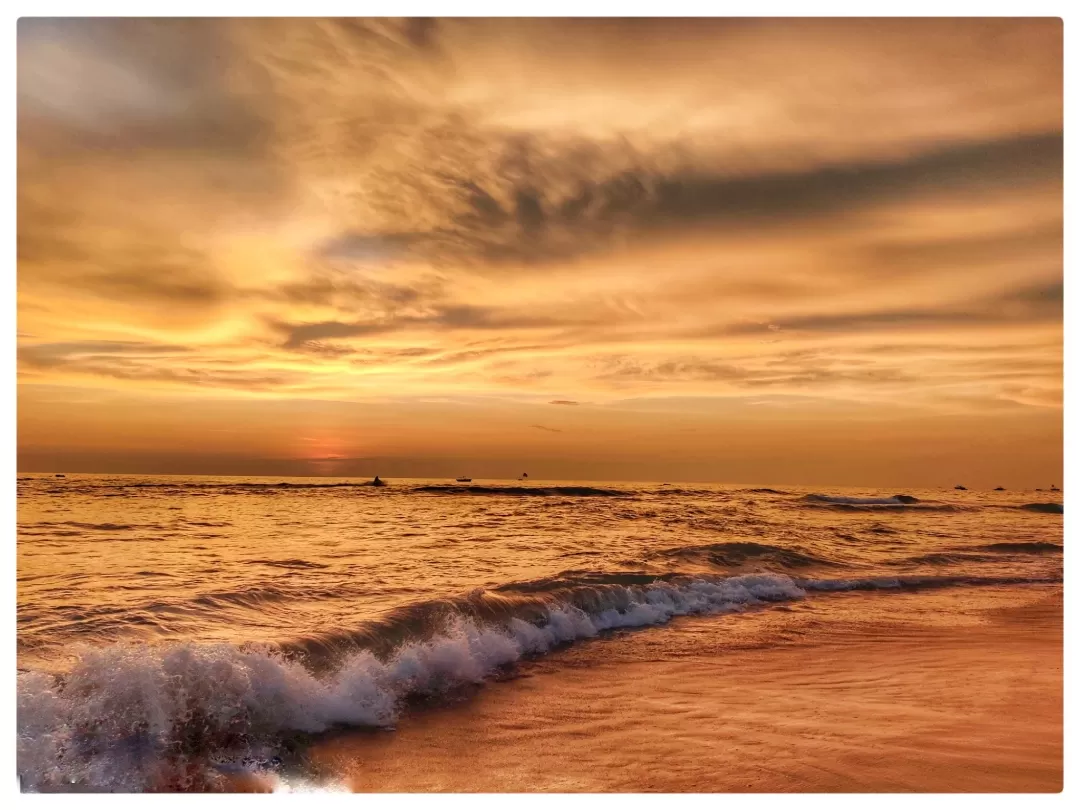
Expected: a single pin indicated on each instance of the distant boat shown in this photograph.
(61, 475)
(463, 480)
(999, 489)
(1054, 488)
(377, 482)
(960, 486)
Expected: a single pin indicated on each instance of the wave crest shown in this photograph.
(1022, 548)
(133, 717)
(1049, 508)
(843, 500)
(734, 555)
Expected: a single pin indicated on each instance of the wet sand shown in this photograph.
(957, 690)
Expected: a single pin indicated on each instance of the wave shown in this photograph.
(1050, 508)
(1022, 548)
(985, 553)
(693, 493)
(239, 485)
(893, 503)
(132, 718)
(94, 527)
(287, 563)
(913, 583)
(570, 491)
(842, 500)
(944, 558)
(894, 507)
(733, 555)
(193, 487)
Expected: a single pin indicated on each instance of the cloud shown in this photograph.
(131, 85)
(688, 370)
(1039, 302)
(438, 318)
(548, 429)
(529, 222)
(299, 335)
(791, 372)
(888, 256)
(373, 248)
(813, 213)
(66, 350)
(148, 367)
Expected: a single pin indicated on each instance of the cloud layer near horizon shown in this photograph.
(852, 213)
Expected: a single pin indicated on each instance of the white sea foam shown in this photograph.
(129, 718)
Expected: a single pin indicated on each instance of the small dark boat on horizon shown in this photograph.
(463, 479)
(960, 486)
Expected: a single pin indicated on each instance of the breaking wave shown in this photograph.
(892, 503)
(130, 717)
(840, 500)
(134, 717)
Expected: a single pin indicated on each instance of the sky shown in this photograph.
(758, 251)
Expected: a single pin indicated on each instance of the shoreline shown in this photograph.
(955, 691)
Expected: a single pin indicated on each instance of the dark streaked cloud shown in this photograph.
(1032, 303)
(503, 217)
(94, 347)
(300, 335)
(183, 371)
(795, 373)
(441, 318)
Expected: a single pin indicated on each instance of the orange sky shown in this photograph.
(775, 251)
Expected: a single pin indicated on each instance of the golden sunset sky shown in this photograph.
(776, 251)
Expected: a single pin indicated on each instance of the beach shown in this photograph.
(824, 699)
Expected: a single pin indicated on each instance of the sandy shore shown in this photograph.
(957, 690)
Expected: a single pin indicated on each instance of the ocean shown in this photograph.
(176, 632)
